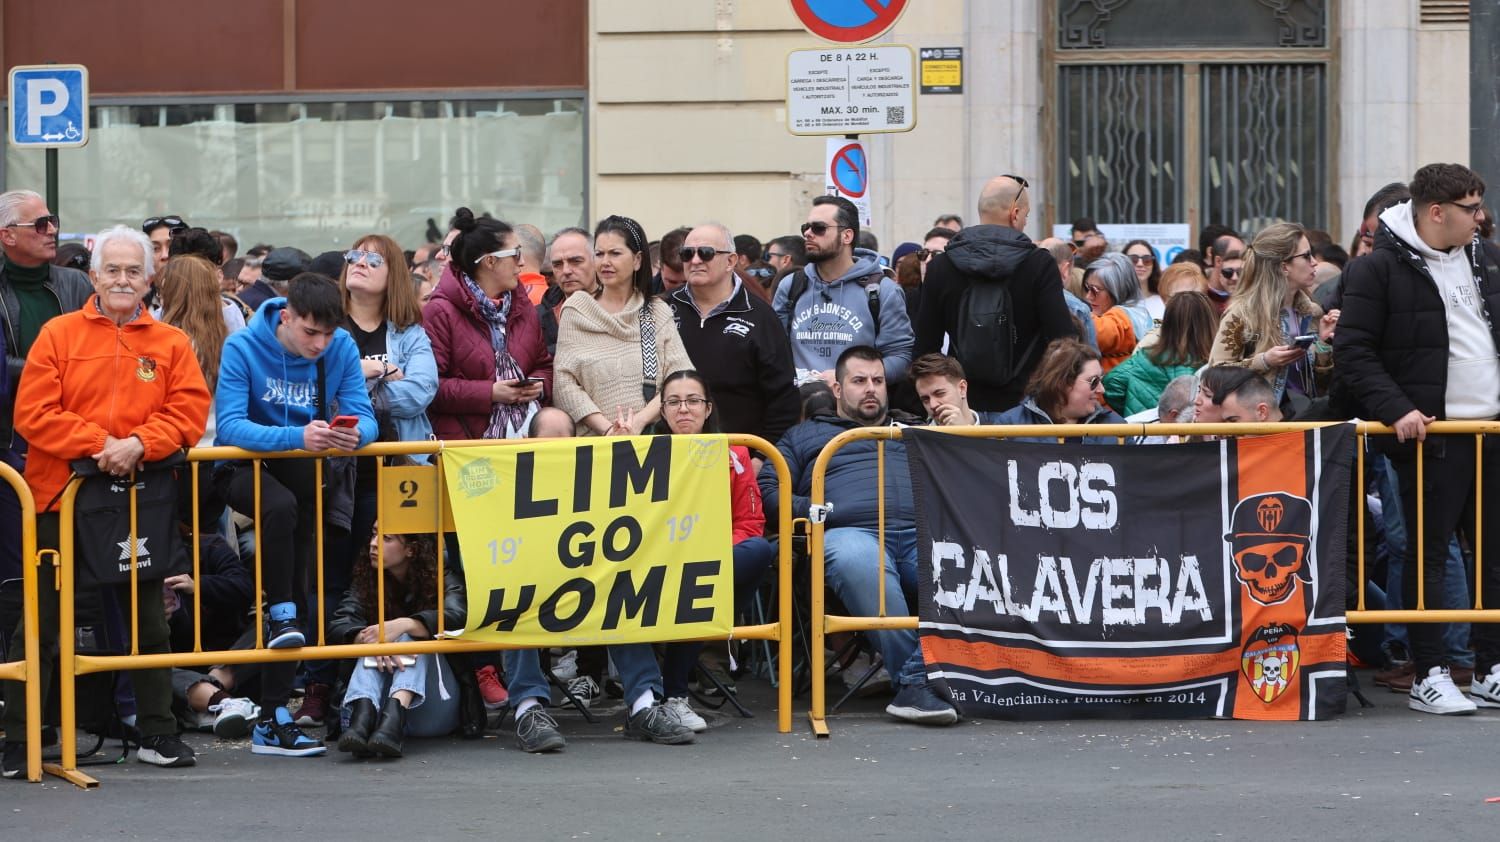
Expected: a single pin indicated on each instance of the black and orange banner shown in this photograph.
(1065, 581)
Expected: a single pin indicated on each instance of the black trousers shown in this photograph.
(1447, 501)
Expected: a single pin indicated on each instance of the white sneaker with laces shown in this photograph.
(235, 716)
(1437, 694)
(1485, 690)
(678, 710)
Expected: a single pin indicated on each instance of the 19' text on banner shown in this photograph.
(605, 541)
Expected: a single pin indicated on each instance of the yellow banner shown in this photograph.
(588, 541)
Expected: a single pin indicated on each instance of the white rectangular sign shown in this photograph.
(855, 90)
(1166, 239)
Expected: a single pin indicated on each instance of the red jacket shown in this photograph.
(744, 496)
(86, 379)
(466, 359)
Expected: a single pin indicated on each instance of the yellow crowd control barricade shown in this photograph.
(411, 499)
(824, 623)
(25, 670)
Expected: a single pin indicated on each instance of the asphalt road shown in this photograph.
(1384, 773)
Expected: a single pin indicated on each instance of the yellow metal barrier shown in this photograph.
(824, 623)
(26, 669)
(410, 499)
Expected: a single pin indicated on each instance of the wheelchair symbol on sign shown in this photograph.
(71, 133)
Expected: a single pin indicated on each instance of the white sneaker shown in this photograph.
(565, 668)
(585, 690)
(234, 718)
(1485, 690)
(1437, 694)
(678, 710)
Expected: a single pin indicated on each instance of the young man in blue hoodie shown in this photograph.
(281, 382)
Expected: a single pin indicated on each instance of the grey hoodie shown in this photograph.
(830, 316)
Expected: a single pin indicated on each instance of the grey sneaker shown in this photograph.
(536, 732)
(678, 709)
(655, 725)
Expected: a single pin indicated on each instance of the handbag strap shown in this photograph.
(650, 365)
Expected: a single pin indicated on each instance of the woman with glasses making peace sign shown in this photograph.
(1272, 325)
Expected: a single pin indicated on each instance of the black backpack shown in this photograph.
(984, 341)
(800, 280)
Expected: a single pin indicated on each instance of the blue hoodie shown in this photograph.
(266, 396)
(833, 315)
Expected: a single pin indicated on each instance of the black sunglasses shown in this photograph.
(1016, 178)
(818, 228)
(173, 223)
(704, 253)
(1229, 273)
(40, 224)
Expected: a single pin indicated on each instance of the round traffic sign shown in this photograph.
(848, 21)
(849, 172)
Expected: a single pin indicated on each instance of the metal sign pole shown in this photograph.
(52, 180)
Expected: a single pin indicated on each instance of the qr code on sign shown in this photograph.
(895, 114)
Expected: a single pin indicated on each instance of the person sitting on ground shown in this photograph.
(1120, 320)
(688, 410)
(391, 697)
(1066, 388)
(1180, 346)
(944, 392)
(852, 543)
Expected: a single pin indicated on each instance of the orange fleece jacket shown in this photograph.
(86, 379)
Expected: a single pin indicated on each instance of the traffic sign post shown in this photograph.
(846, 172)
(863, 90)
(848, 21)
(49, 109)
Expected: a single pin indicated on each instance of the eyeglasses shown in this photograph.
(40, 224)
(1141, 258)
(927, 254)
(1094, 381)
(372, 259)
(693, 402)
(1229, 273)
(133, 272)
(1307, 254)
(818, 228)
(173, 223)
(1093, 289)
(775, 255)
(1019, 193)
(1473, 209)
(514, 252)
(704, 253)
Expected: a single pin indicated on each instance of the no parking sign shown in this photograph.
(846, 173)
(848, 21)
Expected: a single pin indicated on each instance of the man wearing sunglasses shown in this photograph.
(1225, 264)
(996, 297)
(841, 298)
(734, 339)
(32, 292)
(1416, 342)
(161, 230)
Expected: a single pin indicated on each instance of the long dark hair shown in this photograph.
(1187, 330)
(420, 589)
(635, 239)
(711, 423)
(1153, 280)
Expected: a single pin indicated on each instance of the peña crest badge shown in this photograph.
(1270, 660)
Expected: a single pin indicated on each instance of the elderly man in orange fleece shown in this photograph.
(109, 383)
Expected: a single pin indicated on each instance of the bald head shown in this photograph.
(532, 244)
(1003, 201)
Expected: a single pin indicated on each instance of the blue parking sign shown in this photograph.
(49, 105)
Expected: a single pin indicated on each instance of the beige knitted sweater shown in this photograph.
(598, 365)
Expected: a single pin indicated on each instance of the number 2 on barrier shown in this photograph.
(409, 500)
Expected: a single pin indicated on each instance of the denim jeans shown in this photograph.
(1455, 593)
(752, 558)
(636, 663)
(851, 568)
(429, 715)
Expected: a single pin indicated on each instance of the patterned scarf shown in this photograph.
(506, 419)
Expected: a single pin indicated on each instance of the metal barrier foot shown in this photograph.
(72, 776)
(819, 726)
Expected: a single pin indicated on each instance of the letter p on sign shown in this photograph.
(49, 105)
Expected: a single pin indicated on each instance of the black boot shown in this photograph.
(361, 722)
(386, 740)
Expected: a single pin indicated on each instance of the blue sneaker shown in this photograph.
(280, 735)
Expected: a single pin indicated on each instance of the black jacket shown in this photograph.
(72, 289)
(545, 312)
(852, 483)
(353, 615)
(224, 590)
(995, 253)
(744, 354)
(1391, 348)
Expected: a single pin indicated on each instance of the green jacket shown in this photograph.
(1136, 384)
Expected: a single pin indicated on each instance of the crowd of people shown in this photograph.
(172, 340)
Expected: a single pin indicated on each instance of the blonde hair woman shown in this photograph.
(1270, 310)
(190, 302)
